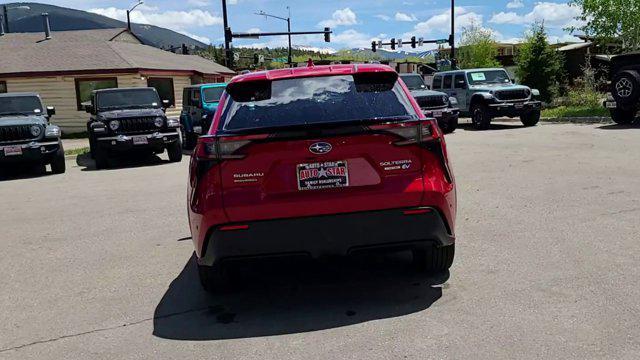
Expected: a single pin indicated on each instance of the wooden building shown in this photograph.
(67, 67)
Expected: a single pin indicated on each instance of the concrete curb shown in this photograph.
(580, 120)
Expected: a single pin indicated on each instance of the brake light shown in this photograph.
(224, 147)
(234, 227)
(413, 132)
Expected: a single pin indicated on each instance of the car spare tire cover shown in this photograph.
(626, 87)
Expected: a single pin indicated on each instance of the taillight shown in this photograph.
(224, 147)
(414, 132)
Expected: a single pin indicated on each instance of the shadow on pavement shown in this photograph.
(635, 125)
(290, 296)
(132, 160)
(12, 172)
(500, 126)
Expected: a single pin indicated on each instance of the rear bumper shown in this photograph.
(318, 236)
(514, 109)
(121, 143)
(35, 152)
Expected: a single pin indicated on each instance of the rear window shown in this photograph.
(315, 100)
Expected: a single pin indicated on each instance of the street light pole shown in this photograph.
(288, 20)
(454, 62)
(129, 12)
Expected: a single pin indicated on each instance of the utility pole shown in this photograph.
(288, 20)
(228, 54)
(129, 16)
(452, 41)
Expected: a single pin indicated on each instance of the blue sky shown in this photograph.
(355, 22)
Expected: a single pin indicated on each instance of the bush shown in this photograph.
(539, 65)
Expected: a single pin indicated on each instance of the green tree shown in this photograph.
(478, 49)
(611, 19)
(539, 66)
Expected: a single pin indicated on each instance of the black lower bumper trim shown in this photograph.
(31, 153)
(320, 236)
(514, 109)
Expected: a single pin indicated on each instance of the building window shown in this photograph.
(164, 87)
(3, 87)
(84, 87)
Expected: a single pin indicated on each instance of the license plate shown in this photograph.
(612, 105)
(12, 150)
(140, 140)
(437, 113)
(325, 175)
(519, 106)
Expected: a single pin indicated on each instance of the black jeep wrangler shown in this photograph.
(434, 104)
(26, 136)
(624, 101)
(126, 120)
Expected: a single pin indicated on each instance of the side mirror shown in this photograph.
(88, 109)
(51, 111)
(165, 105)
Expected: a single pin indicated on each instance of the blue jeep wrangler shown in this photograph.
(199, 104)
(483, 94)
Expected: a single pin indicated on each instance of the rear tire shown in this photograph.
(623, 116)
(530, 119)
(450, 126)
(174, 151)
(212, 278)
(58, 165)
(434, 259)
(480, 116)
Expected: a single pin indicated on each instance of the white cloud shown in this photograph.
(515, 4)
(441, 23)
(340, 17)
(199, 3)
(405, 17)
(383, 17)
(174, 20)
(554, 15)
(353, 39)
(202, 39)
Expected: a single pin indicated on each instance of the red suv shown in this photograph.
(324, 160)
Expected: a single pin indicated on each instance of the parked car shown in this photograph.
(624, 101)
(199, 104)
(434, 104)
(130, 119)
(483, 94)
(26, 135)
(328, 160)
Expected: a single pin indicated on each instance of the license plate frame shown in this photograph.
(140, 140)
(322, 175)
(437, 113)
(13, 150)
(611, 105)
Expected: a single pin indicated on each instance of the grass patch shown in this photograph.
(574, 111)
(79, 151)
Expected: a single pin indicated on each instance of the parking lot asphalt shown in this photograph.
(98, 265)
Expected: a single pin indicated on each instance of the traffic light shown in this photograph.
(256, 59)
(413, 42)
(374, 46)
(327, 34)
(451, 40)
(393, 44)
